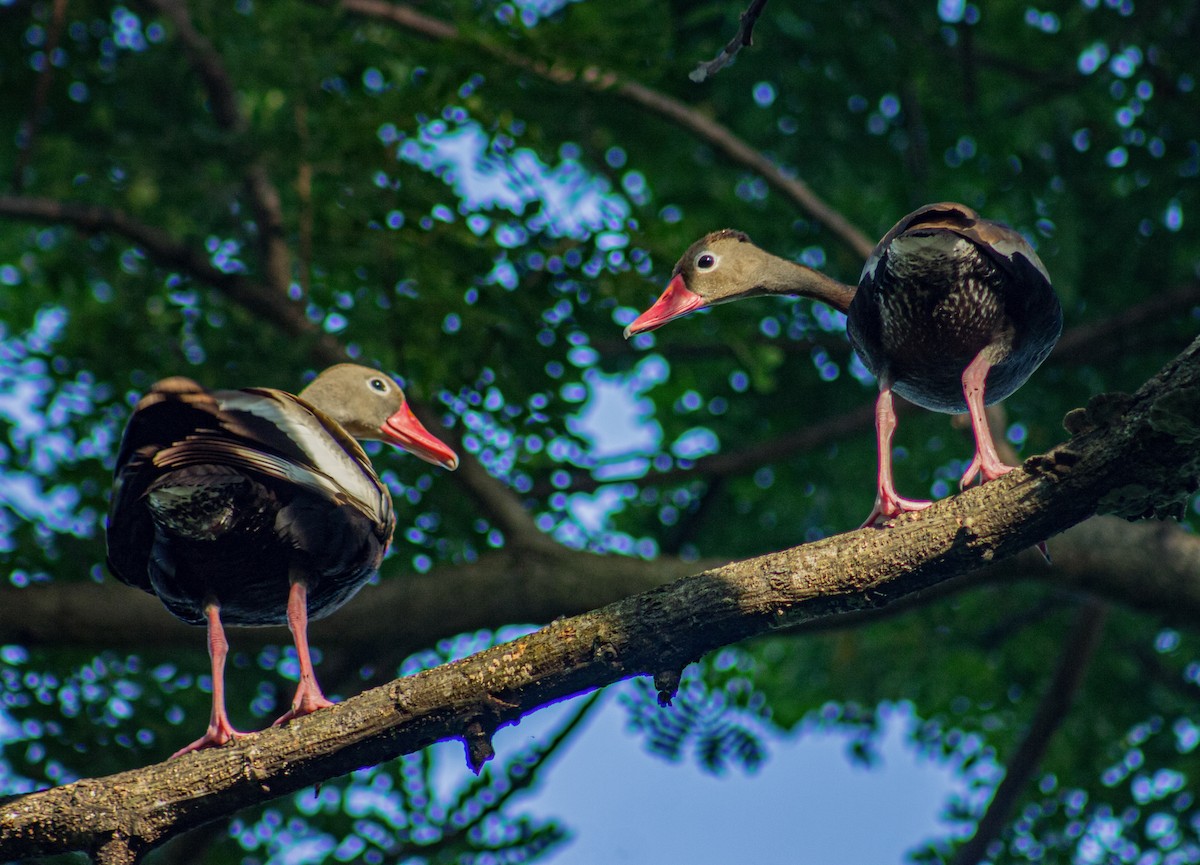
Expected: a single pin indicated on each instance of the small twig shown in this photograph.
(743, 38)
(690, 521)
(529, 777)
(1077, 654)
(166, 251)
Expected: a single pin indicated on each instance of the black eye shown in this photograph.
(706, 261)
(378, 385)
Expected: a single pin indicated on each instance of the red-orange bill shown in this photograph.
(677, 300)
(405, 431)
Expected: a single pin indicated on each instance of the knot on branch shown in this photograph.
(478, 742)
(666, 682)
(117, 850)
(1102, 410)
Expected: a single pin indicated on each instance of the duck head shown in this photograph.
(370, 406)
(724, 266)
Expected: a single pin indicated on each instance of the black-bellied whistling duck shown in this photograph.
(257, 507)
(952, 312)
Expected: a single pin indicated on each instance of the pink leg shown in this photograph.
(987, 462)
(888, 505)
(308, 693)
(219, 730)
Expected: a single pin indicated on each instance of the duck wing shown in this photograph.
(183, 430)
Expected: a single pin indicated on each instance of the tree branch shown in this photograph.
(169, 253)
(1104, 556)
(222, 96)
(1114, 335)
(1140, 461)
(1078, 651)
(660, 104)
(743, 38)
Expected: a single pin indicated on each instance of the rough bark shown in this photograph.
(1134, 456)
(1104, 556)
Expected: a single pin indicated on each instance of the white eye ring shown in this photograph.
(707, 261)
(378, 384)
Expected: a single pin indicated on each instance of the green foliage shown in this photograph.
(480, 216)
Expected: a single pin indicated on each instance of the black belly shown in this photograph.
(239, 542)
(921, 333)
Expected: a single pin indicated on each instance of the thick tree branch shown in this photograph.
(660, 104)
(507, 586)
(1134, 457)
(1078, 651)
(1104, 556)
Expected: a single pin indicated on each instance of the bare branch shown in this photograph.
(404, 16)
(743, 38)
(208, 63)
(1078, 650)
(1141, 462)
(666, 107)
(1091, 341)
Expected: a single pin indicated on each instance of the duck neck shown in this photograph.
(781, 276)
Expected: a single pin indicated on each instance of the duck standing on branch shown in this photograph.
(952, 311)
(257, 507)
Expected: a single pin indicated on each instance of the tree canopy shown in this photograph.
(477, 197)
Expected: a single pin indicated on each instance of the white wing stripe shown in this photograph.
(326, 454)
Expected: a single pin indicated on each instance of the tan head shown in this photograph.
(371, 406)
(724, 266)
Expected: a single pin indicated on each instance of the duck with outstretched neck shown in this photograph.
(953, 312)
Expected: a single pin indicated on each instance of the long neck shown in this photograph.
(780, 276)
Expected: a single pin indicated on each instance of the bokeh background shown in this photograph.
(477, 196)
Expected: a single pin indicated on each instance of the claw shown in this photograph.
(219, 733)
(307, 700)
(891, 506)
